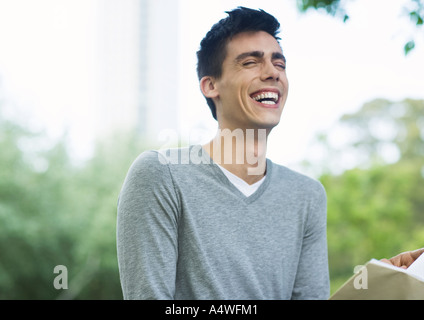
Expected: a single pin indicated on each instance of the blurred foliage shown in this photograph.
(376, 209)
(381, 123)
(332, 7)
(55, 212)
(414, 9)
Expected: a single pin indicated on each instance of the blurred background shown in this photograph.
(87, 85)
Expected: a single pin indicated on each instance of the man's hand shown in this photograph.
(405, 259)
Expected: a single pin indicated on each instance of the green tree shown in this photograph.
(55, 212)
(32, 234)
(381, 132)
(371, 214)
(376, 208)
(381, 122)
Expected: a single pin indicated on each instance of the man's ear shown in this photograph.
(208, 87)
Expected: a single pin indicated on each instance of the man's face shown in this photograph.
(253, 87)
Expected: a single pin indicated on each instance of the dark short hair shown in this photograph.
(213, 51)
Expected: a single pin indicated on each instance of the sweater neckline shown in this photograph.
(229, 185)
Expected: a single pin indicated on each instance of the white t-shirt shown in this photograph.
(240, 184)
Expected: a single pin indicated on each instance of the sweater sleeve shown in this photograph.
(147, 242)
(312, 279)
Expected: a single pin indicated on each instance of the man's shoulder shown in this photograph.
(297, 179)
(172, 167)
(149, 164)
(184, 155)
(149, 158)
(166, 159)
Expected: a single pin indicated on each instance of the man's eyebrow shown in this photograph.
(260, 54)
(257, 54)
(278, 55)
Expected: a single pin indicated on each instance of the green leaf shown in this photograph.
(416, 18)
(409, 46)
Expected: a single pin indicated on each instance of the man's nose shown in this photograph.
(270, 72)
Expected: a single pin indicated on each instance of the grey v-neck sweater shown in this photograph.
(185, 232)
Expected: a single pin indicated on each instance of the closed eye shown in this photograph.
(280, 65)
(249, 63)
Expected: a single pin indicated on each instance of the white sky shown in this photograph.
(333, 68)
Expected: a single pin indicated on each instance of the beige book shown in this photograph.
(378, 280)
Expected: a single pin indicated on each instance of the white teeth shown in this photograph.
(267, 95)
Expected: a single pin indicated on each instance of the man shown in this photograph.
(221, 221)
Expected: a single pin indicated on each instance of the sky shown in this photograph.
(46, 58)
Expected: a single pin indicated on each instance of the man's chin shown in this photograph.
(263, 126)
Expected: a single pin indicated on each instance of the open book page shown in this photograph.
(379, 281)
(417, 267)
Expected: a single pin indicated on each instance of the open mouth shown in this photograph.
(266, 97)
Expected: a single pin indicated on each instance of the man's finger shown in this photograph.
(386, 261)
(416, 253)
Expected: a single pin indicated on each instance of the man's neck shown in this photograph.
(242, 152)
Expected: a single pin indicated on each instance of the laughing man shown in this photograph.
(228, 223)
